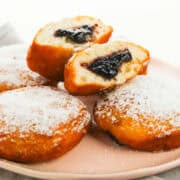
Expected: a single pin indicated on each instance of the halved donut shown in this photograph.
(40, 123)
(104, 66)
(55, 43)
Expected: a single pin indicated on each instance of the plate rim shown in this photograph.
(11, 166)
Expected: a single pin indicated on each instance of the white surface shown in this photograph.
(154, 23)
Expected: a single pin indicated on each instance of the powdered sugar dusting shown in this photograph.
(15, 72)
(147, 96)
(38, 109)
(89, 101)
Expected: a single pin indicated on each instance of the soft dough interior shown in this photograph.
(126, 70)
(67, 23)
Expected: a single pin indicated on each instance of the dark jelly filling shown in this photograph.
(108, 66)
(77, 34)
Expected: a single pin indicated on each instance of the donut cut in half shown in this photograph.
(55, 43)
(104, 66)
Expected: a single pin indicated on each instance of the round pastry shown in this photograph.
(104, 66)
(143, 114)
(15, 74)
(54, 44)
(40, 123)
(89, 101)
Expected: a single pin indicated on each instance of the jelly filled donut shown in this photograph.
(104, 66)
(40, 123)
(143, 114)
(54, 44)
(15, 74)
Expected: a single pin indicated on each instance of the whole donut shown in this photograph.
(40, 123)
(14, 74)
(143, 114)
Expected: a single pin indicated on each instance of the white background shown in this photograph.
(154, 24)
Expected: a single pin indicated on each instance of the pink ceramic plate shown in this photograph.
(97, 156)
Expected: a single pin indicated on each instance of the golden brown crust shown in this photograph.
(105, 37)
(6, 87)
(30, 137)
(135, 135)
(72, 87)
(15, 74)
(86, 89)
(35, 147)
(49, 61)
(144, 69)
(143, 113)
